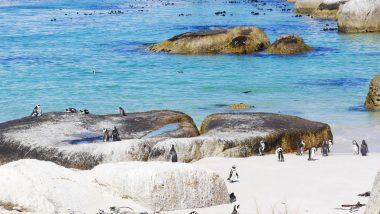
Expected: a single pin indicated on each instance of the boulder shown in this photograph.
(328, 9)
(372, 101)
(44, 187)
(239, 134)
(289, 44)
(357, 16)
(373, 205)
(75, 140)
(238, 40)
(161, 185)
(306, 6)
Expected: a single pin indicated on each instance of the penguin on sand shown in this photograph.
(355, 147)
(232, 197)
(312, 152)
(37, 111)
(236, 209)
(280, 154)
(234, 176)
(261, 148)
(300, 148)
(364, 148)
(172, 154)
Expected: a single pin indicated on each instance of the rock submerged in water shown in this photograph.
(238, 40)
(50, 137)
(373, 205)
(239, 134)
(359, 16)
(44, 187)
(372, 101)
(289, 44)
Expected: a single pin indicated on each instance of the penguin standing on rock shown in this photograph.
(115, 134)
(106, 135)
(122, 112)
(236, 209)
(234, 176)
(37, 111)
(280, 154)
(172, 154)
(71, 110)
(85, 111)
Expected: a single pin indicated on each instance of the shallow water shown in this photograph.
(51, 62)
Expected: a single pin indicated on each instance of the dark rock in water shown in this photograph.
(238, 40)
(289, 44)
(239, 134)
(52, 137)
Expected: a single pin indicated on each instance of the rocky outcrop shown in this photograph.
(373, 205)
(372, 101)
(306, 6)
(328, 9)
(289, 44)
(357, 16)
(75, 140)
(44, 187)
(238, 40)
(238, 135)
(161, 185)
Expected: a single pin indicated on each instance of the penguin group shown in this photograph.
(115, 136)
(74, 110)
(232, 178)
(362, 149)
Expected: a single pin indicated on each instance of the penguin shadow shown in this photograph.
(312, 159)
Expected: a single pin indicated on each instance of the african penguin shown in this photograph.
(122, 112)
(280, 154)
(172, 154)
(71, 110)
(236, 209)
(234, 176)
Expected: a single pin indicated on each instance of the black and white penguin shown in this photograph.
(355, 147)
(71, 110)
(106, 135)
(172, 154)
(37, 111)
(85, 111)
(122, 112)
(236, 209)
(115, 135)
(325, 148)
(261, 148)
(280, 154)
(300, 148)
(330, 144)
(364, 148)
(193, 212)
(233, 176)
(232, 197)
(312, 152)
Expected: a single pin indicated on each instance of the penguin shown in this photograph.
(330, 144)
(85, 111)
(300, 148)
(71, 110)
(325, 147)
(364, 148)
(115, 134)
(193, 212)
(232, 197)
(172, 154)
(312, 152)
(106, 135)
(236, 209)
(261, 148)
(122, 112)
(234, 176)
(355, 147)
(37, 111)
(280, 154)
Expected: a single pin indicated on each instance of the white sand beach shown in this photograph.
(296, 185)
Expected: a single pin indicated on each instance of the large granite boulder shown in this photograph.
(372, 101)
(161, 185)
(238, 135)
(328, 9)
(289, 44)
(75, 140)
(43, 187)
(373, 205)
(238, 40)
(306, 6)
(358, 16)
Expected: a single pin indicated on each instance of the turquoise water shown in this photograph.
(51, 62)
